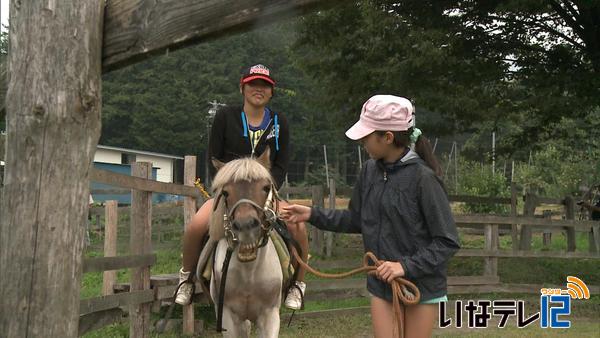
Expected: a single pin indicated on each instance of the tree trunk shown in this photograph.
(53, 124)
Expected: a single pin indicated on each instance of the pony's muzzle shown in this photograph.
(245, 225)
(249, 234)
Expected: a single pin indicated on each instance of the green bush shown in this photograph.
(558, 171)
(478, 180)
(319, 177)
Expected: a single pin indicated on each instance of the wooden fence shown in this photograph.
(100, 311)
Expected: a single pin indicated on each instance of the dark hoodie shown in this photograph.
(229, 140)
(403, 213)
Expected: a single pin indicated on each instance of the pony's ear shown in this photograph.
(265, 158)
(217, 164)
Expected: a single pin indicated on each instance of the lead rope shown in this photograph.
(404, 292)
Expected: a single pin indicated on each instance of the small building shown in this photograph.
(165, 168)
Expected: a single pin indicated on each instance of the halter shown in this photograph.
(268, 219)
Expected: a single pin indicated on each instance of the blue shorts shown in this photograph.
(435, 300)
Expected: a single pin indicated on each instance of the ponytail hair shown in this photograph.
(425, 151)
(402, 139)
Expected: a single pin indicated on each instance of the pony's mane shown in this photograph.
(244, 169)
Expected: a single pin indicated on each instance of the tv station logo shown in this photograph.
(555, 306)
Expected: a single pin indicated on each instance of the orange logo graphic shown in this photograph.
(577, 288)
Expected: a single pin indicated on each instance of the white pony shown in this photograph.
(242, 211)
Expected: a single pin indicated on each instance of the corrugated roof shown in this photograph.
(139, 152)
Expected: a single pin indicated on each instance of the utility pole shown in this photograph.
(493, 153)
(326, 165)
(212, 111)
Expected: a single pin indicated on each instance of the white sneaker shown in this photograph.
(186, 288)
(295, 296)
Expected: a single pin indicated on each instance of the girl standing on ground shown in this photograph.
(401, 208)
(241, 132)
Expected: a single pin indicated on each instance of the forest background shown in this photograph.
(507, 91)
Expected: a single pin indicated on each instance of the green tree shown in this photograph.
(521, 65)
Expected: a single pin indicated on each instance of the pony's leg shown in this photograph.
(246, 328)
(235, 326)
(268, 323)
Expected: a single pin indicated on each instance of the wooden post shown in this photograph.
(328, 234)
(109, 278)
(98, 227)
(189, 209)
(547, 236)
(53, 125)
(316, 241)
(570, 211)
(531, 202)
(491, 244)
(140, 244)
(513, 213)
(594, 239)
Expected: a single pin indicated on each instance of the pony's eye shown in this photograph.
(267, 188)
(225, 193)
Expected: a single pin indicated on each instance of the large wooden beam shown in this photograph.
(137, 29)
(53, 123)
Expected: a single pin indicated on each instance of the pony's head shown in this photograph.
(242, 189)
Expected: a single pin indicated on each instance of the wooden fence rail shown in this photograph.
(478, 220)
(116, 263)
(523, 254)
(143, 184)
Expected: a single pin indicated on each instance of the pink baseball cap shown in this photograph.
(383, 112)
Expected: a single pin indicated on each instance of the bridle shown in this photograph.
(267, 216)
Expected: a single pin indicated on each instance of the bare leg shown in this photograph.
(419, 320)
(382, 316)
(299, 233)
(192, 238)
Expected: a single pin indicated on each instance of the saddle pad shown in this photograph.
(282, 252)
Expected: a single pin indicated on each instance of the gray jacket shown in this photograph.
(403, 213)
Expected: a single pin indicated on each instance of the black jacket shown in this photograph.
(227, 141)
(404, 216)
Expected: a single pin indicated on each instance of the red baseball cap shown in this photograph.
(257, 72)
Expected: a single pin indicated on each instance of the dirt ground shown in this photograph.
(359, 325)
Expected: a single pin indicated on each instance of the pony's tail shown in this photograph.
(425, 151)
